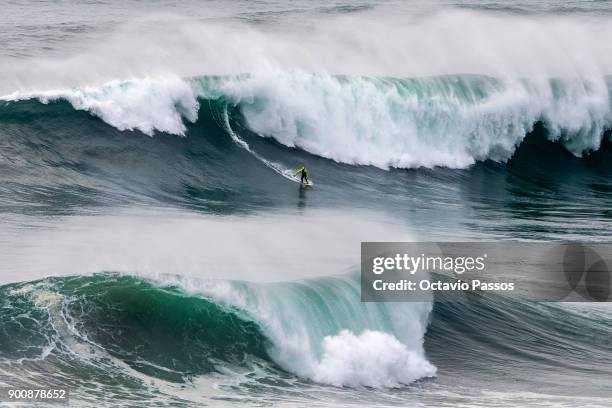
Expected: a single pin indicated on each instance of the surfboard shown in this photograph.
(309, 184)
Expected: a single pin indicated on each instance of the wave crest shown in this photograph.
(147, 104)
(446, 121)
(450, 121)
(164, 332)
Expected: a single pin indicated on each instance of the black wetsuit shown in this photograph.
(304, 174)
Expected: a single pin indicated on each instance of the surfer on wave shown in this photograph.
(304, 172)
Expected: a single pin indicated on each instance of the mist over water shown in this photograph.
(157, 242)
(156, 248)
(406, 39)
(389, 85)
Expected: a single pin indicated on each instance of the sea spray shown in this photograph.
(447, 121)
(371, 359)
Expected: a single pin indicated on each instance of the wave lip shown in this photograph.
(147, 104)
(320, 330)
(447, 121)
(161, 331)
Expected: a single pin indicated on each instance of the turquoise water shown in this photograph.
(155, 250)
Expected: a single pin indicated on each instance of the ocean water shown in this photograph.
(156, 251)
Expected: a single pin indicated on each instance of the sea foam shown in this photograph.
(448, 121)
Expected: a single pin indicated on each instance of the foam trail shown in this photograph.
(448, 121)
(277, 167)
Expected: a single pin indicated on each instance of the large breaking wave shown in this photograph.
(125, 332)
(317, 329)
(448, 121)
(388, 86)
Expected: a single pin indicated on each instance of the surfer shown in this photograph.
(304, 174)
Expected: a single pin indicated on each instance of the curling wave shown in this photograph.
(316, 329)
(175, 331)
(446, 121)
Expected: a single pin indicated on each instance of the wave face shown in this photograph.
(142, 155)
(274, 340)
(56, 159)
(317, 330)
(448, 121)
(320, 330)
(388, 85)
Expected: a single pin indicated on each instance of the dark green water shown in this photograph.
(156, 251)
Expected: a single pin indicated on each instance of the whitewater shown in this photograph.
(424, 91)
(450, 121)
(156, 250)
